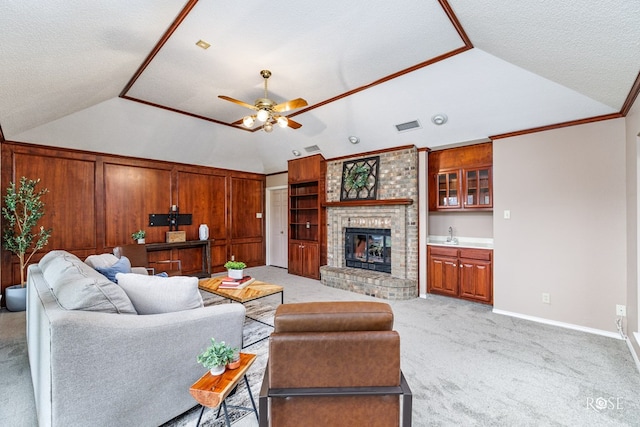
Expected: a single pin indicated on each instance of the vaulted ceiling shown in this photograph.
(126, 76)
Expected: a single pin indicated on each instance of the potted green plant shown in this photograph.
(216, 356)
(235, 269)
(139, 236)
(23, 208)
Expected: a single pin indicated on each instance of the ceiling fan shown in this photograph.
(267, 111)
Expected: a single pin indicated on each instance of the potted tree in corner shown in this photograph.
(23, 208)
(235, 269)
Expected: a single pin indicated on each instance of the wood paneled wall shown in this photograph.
(96, 201)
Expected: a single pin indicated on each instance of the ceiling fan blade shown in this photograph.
(290, 105)
(292, 124)
(237, 122)
(244, 104)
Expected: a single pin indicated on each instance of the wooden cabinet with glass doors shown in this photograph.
(461, 178)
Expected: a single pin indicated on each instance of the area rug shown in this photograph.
(255, 335)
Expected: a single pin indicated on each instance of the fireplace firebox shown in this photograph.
(368, 248)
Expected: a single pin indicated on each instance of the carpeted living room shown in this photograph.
(464, 364)
(444, 195)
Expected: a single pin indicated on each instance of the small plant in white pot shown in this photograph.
(216, 356)
(23, 208)
(139, 236)
(235, 269)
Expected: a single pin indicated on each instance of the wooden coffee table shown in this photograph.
(254, 291)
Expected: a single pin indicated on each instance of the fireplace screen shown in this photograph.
(368, 248)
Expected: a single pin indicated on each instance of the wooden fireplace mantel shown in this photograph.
(350, 203)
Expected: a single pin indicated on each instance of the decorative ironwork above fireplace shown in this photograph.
(360, 179)
(368, 248)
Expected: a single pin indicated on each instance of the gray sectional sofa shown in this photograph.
(95, 361)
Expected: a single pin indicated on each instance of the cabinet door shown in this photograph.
(443, 275)
(478, 188)
(310, 260)
(295, 259)
(448, 184)
(476, 280)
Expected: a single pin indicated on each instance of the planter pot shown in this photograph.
(235, 274)
(16, 297)
(141, 241)
(235, 364)
(217, 370)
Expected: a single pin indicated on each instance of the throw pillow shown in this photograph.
(76, 286)
(153, 295)
(121, 266)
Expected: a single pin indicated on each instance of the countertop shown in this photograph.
(463, 242)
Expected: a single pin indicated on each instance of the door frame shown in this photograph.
(269, 219)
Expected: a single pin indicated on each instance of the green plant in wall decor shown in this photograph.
(360, 179)
(23, 208)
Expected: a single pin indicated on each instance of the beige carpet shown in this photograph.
(466, 366)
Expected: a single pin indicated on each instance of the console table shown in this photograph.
(204, 244)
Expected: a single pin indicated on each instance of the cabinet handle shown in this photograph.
(454, 265)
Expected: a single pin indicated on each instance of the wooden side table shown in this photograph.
(212, 391)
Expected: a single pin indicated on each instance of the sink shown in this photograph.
(453, 242)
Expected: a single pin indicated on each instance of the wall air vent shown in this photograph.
(402, 127)
(312, 149)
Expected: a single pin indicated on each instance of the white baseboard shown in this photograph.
(560, 324)
(633, 350)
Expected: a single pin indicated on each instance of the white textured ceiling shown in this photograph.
(529, 64)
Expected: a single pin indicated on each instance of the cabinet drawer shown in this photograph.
(481, 254)
(442, 251)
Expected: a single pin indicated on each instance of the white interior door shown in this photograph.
(278, 228)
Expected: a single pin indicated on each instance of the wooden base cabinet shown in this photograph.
(443, 271)
(460, 272)
(304, 259)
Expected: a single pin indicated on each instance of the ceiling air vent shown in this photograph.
(408, 126)
(312, 149)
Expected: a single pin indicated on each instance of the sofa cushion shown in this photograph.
(122, 265)
(153, 295)
(76, 286)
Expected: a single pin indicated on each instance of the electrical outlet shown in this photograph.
(546, 298)
(621, 310)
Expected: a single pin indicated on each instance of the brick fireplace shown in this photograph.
(396, 208)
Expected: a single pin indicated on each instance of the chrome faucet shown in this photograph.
(451, 239)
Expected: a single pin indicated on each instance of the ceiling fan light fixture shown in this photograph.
(267, 111)
(283, 122)
(263, 115)
(248, 121)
